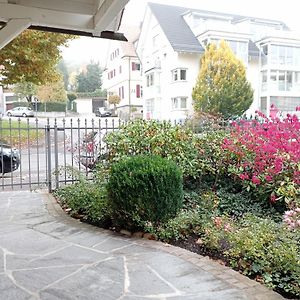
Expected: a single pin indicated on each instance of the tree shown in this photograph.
(62, 68)
(93, 75)
(54, 92)
(25, 90)
(90, 80)
(114, 99)
(82, 84)
(32, 57)
(222, 86)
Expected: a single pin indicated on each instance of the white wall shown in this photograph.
(84, 106)
(124, 77)
(253, 75)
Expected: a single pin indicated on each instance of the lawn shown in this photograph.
(18, 133)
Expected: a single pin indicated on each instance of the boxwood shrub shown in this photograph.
(144, 189)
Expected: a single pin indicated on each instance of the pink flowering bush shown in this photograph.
(292, 219)
(265, 156)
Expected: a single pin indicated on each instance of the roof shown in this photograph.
(132, 33)
(99, 18)
(180, 35)
(175, 28)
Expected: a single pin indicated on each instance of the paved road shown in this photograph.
(46, 255)
(33, 168)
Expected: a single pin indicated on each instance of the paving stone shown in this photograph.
(72, 255)
(50, 256)
(36, 279)
(113, 244)
(144, 281)
(28, 241)
(8, 290)
(184, 275)
(86, 238)
(102, 281)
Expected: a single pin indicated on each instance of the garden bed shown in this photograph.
(241, 198)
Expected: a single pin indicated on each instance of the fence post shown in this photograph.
(56, 157)
(49, 180)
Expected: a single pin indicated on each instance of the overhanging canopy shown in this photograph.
(98, 18)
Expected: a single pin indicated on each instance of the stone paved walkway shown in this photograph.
(45, 254)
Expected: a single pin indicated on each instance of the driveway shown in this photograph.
(45, 254)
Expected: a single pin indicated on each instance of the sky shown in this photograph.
(84, 50)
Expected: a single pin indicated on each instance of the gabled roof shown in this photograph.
(175, 28)
(180, 35)
(132, 34)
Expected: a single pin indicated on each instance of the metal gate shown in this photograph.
(46, 153)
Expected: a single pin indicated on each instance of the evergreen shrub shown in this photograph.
(144, 189)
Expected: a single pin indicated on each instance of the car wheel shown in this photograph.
(9, 114)
(24, 115)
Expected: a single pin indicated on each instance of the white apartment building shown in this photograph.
(122, 76)
(173, 39)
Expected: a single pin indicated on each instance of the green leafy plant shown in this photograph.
(259, 248)
(144, 189)
(182, 226)
(88, 199)
(157, 138)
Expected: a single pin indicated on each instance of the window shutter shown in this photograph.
(138, 91)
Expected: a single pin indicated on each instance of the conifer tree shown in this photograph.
(222, 86)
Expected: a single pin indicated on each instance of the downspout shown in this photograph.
(129, 88)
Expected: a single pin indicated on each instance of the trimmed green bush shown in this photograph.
(52, 106)
(144, 189)
(20, 104)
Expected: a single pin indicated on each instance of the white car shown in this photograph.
(20, 112)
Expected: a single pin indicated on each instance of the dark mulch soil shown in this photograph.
(193, 244)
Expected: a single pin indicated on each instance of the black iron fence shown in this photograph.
(46, 153)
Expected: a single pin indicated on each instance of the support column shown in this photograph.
(12, 29)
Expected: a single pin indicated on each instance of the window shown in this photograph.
(263, 104)
(121, 92)
(135, 66)
(114, 54)
(150, 79)
(179, 75)
(264, 80)
(285, 104)
(149, 108)
(179, 103)
(240, 49)
(284, 80)
(281, 81)
(120, 69)
(289, 80)
(284, 55)
(264, 55)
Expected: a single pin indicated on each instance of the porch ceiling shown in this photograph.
(98, 18)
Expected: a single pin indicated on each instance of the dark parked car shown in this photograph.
(103, 112)
(9, 159)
